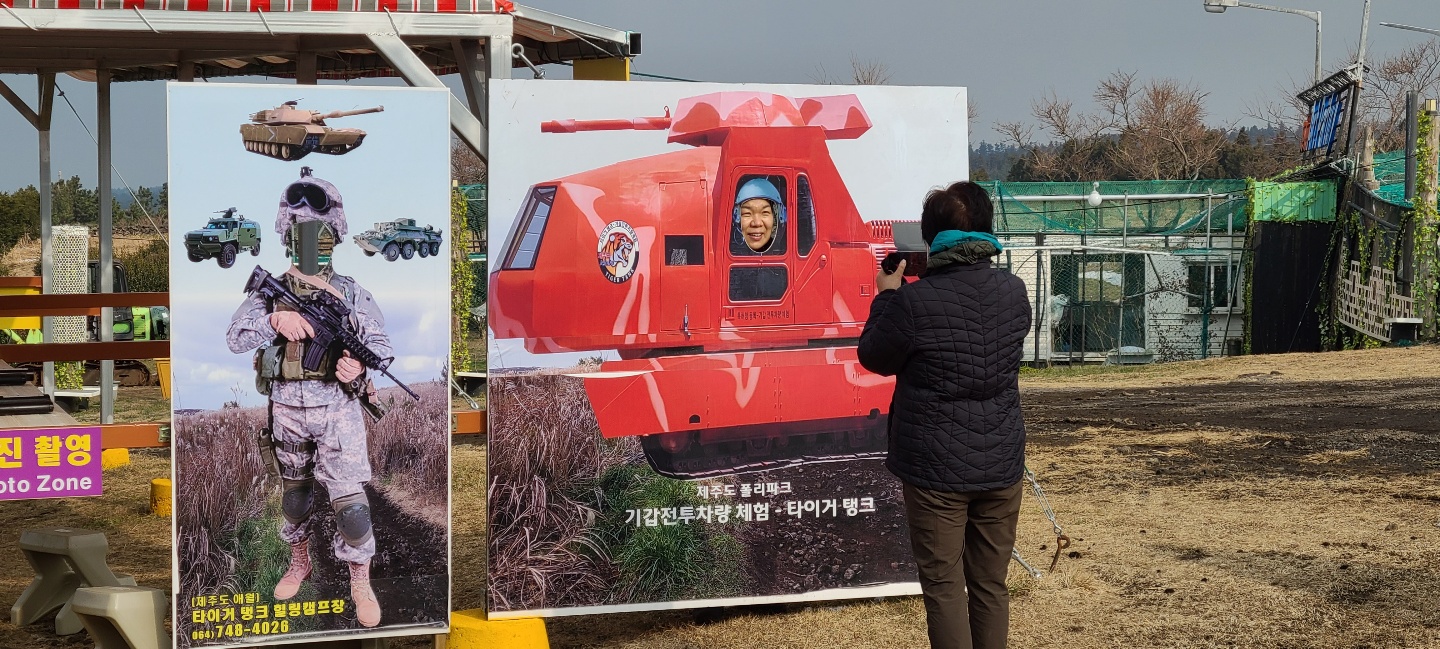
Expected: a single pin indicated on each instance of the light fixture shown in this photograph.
(1094, 200)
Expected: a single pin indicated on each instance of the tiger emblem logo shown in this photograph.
(616, 252)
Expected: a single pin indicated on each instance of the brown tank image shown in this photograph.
(286, 132)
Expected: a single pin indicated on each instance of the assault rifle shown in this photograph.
(328, 316)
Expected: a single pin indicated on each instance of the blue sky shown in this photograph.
(1007, 53)
(401, 170)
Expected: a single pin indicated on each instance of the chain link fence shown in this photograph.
(1153, 300)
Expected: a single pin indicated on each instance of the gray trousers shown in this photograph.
(962, 542)
(341, 462)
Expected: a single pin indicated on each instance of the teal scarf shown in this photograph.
(962, 248)
(947, 239)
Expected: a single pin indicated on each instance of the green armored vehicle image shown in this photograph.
(399, 238)
(286, 132)
(223, 238)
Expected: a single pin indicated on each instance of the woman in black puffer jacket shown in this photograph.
(953, 341)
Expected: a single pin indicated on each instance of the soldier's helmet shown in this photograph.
(310, 199)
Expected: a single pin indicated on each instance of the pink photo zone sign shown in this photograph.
(49, 463)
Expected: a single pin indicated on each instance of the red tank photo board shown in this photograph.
(678, 276)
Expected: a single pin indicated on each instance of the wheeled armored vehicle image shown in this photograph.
(399, 238)
(287, 132)
(223, 239)
(734, 356)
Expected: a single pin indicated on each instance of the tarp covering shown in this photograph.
(1293, 202)
(1287, 285)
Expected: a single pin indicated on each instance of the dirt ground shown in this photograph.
(1276, 501)
(1270, 501)
(139, 542)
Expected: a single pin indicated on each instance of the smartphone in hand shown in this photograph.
(914, 262)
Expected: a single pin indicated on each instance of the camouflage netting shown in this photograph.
(1227, 208)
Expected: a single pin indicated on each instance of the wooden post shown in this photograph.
(1426, 248)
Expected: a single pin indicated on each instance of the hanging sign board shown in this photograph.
(1329, 115)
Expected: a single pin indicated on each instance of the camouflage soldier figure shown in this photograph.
(317, 426)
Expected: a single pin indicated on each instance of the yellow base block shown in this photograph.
(111, 458)
(160, 496)
(24, 322)
(470, 630)
(162, 367)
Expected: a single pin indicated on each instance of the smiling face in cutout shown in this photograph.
(757, 223)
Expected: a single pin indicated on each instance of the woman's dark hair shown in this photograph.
(961, 206)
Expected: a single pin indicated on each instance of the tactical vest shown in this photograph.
(283, 359)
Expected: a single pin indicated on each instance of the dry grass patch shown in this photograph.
(1359, 365)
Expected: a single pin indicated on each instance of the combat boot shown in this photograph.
(297, 574)
(367, 608)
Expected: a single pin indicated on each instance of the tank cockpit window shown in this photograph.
(757, 283)
(533, 218)
(804, 216)
(757, 223)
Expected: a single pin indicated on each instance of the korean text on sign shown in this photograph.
(49, 463)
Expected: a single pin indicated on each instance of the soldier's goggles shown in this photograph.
(313, 196)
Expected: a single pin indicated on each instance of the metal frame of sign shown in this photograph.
(1329, 109)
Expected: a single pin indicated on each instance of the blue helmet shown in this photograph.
(758, 188)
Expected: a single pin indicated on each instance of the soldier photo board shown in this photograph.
(310, 283)
(679, 274)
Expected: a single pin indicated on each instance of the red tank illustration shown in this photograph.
(737, 351)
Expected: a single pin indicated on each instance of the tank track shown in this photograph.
(335, 149)
(277, 150)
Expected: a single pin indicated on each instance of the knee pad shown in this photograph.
(352, 518)
(298, 499)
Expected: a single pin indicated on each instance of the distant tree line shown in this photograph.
(1246, 152)
(1156, 129)
(75, 204)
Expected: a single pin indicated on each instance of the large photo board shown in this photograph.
(679, 274)
(310, 305)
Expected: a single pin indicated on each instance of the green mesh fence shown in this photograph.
(1390, 172)
(1151, 208)
(1169, 292)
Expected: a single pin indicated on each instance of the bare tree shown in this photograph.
(1382, 100)
(869, 72)
(1163, 132)
(465, 166)
(1141, 130)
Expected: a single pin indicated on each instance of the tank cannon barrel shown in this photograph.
(577, 125)
(347, 113)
